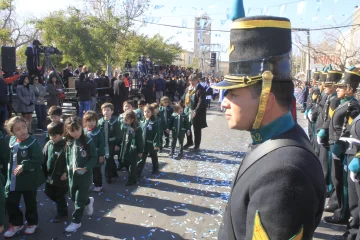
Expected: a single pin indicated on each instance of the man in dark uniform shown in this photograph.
(322, 130)
(352, 137)
(275, 194)
(341, 117)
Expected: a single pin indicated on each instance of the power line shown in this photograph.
(219, 30)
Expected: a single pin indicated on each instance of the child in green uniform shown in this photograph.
(55, 115)
(161, 124)
(25, 175)
(150, 129)
(90, 121)
(132, 145)
(111, 128)
(179, 125)
(128, 105)
(57, 185)
(81, 158)
(166, 111)
(140, 111)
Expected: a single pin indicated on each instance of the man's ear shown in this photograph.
(271, 102)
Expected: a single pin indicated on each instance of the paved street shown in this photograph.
(184, 201)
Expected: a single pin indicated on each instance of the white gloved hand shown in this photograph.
(310, 116)
(318, 140)
(335, 157)
(353, 177)
(305, 116)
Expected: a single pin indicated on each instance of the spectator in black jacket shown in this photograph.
(3, 102)
(100, 83)
(85, 89)
(120, 95)
(33, 58)
(66, 73)
(171, 87)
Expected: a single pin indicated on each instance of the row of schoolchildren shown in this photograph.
(72, 157)
(334, 130)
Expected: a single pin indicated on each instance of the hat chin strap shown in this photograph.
(267, 77)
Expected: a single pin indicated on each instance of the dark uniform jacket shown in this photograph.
(55, 164)
(4, 156)
(132, 143)
(27, 153)
(281, 196)
(97, 135)
(178, 130)
(114, 137)
(78, 157)
(318, 110)
(150, 135)
(199, 105)
(166, 112)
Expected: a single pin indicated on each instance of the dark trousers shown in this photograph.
(173, 144)
(154, 160)
(161, 139)
(58, 195)
(110, 165)
(326, 162)
(197, 136)
(3, 117)
(79, 194)
(41, 116)
(14, 212)
(131, 167)
(167, 137)
(208, 101)
(354, 201)
(97, 176)
(339, 179)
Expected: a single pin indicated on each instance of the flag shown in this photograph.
(156, 7)
(282, 10)
(173, 10)
(184, 23)
(248, 11)
(301, 7)
(227, 13)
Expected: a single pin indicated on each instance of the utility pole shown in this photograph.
(308, 70)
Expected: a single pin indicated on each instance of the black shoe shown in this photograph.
(108, 180)
(179, 156)
(171, 154)
(341, 237)
(59, 218)
(128, 184)
(155, 171)
(196, 149)
(166, 145)
(160, 150)
(335, 220)
(188, 145)
(330, 209)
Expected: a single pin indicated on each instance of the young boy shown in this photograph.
(161, 121)
(55, 169)
(110, 125)
(166, 111)
(55, 115)
(91, 130)
(140, 111)
(178, 125)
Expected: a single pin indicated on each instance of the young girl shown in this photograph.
(90, 121)
(81, 158)
(166, 111)
(151, 140)
(132, 145)
(25, 175)
(161, 124)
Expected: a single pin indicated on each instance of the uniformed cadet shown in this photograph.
(312, 105)
(275, 194)
(151, 140)
(326, 108)
(313, 92)
(110, 125)
(179, 126)
(341, 118)
(57, 184)
(91, 130)
(166, 110)
(25, 175)
(81, 158)
(132, 145)
(352, 137)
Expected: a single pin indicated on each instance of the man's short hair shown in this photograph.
(130, 102)
(142, 102)
(69, 65)
(107, 105)
(55, 110)
(282, 90)
(55, 128)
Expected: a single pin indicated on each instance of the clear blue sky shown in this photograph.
(331, 13)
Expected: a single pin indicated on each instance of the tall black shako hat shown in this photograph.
(316, 76)
(350, 78)
(260, 51)
(333, 76)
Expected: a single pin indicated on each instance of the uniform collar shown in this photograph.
(347, 99)
(275, 128)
